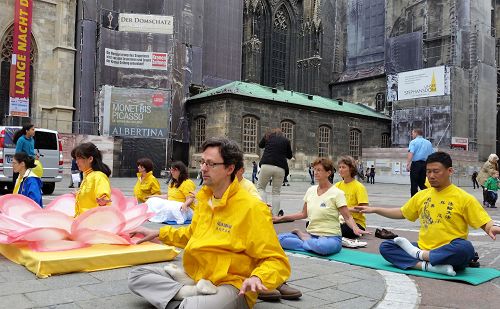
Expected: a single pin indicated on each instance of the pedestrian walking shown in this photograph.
(492, 185)
(274, 165)
(311, 173)
(25, 142)
(255, 169)
(76, 175)
(486, 171)
(372, 175)
(200, 177)
(474, 180)
(418, 151)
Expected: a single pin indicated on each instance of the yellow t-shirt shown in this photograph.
(250, 187)
(322, 211)
(180, 194)
(148, 186)
(444, 215)
(95, 184)
(355, 194)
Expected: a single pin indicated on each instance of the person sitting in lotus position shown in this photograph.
(445, 212)
(322, 205)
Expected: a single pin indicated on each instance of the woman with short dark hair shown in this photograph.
(146, 184)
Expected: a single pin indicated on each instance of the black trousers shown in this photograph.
(417, 176)
(347, 232)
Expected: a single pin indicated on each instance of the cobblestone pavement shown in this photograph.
(325, 284)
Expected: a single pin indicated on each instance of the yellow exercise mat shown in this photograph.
(93, 258)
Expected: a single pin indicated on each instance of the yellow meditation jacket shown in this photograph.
(95, 184)
(147, 187)
(231, 242)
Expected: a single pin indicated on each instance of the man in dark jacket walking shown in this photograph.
(277, 150)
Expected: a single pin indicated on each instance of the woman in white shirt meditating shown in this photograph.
(322, 205)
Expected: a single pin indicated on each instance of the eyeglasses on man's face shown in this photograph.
(210, 164)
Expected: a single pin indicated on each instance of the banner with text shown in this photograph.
(135, 59)
(20, 66)
(135, 112)
(423, 83)
(146, 23)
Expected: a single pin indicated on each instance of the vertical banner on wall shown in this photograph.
(20, 67)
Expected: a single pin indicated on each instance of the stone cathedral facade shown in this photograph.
(291, 43)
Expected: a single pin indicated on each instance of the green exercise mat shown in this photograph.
(473, 276)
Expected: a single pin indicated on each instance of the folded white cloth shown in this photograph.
(166, 210)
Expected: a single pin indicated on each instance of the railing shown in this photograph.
(54, 123)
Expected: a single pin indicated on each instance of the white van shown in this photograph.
(47, 146)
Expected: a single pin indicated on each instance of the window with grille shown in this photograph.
(199, 134)
(354, 143)
(249, 131)
(324, 141)
(279, 57)
(386, 140)
(380, 102)
(287, 127)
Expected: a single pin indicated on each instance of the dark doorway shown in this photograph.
(124, 163)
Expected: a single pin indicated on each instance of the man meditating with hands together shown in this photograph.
(230, 242)
(445, 212)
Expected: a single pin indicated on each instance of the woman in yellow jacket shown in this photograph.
(95, 189)
(147, 184)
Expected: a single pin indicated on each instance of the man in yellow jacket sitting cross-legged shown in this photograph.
(230, 243)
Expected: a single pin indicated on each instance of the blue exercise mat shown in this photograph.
(473, 276)
(187, 222)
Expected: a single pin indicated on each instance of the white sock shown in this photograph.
(186, 291)
(439, 269)
(178, 274)
(206, 287)
(406, 245)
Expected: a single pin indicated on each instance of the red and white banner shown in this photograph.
(19, 93)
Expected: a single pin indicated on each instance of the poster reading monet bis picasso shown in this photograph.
(423, 83)
(135, 112)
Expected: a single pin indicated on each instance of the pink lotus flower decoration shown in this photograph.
(54, 228)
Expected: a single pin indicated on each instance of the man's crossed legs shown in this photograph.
(443, 260)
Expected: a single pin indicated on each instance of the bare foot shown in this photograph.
(301, 235)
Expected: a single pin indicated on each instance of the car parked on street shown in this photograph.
(49, 149)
